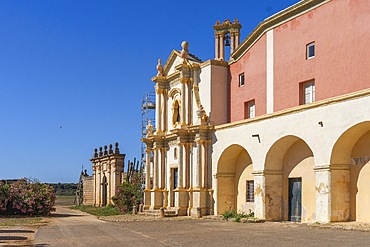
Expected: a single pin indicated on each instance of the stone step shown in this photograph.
(167, 213)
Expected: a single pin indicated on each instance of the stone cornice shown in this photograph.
(267, 172)
(283, 16)
(107, 157)
(300, 108)
(214, 62)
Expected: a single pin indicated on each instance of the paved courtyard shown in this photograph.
(74, 228)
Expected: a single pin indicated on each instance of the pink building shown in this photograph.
(301, 55)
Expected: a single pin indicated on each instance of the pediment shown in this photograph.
(174, 59)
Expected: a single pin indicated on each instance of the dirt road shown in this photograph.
(74, 228)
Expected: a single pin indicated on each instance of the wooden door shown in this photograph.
(295, 199)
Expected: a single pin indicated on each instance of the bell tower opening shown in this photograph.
(227, 34)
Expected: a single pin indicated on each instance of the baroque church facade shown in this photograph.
(281, 128)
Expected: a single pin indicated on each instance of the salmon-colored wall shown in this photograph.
(341, 32)
(253, 64)
(341, 64)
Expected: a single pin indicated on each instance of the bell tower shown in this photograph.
(226, 34)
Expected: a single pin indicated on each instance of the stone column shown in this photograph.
(181, 194)
(237, 39)
(98, 185)
(164, 109)
(232, 42)
(259, 195)
(156, 194)
(158, 117)
(222, 48)
(332, 193)
(147, 168)
(197, 165)
(183, 102)
(109, 186)
(205, 164)
(217, 47)
(147, 192)
(115, 182)
(340, 192)
(161, 163)
(323, 193)
(268, 194)
(189, 102)
(94, 176)
(155, 168)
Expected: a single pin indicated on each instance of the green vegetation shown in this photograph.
(64, 189)
(237, 216)
(104, 211)
(129, 194)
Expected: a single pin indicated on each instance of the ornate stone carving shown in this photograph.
(160, 68)
(149, 129)
(185, 51)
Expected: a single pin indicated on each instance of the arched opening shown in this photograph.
(104, 185)
(290, 181)
(235, 187)
(353, 148)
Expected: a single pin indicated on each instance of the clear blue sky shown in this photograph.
(84, 65)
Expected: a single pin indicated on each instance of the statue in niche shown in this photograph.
(176, 117)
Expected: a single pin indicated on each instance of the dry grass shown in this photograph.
(65, 200)
(21, 221)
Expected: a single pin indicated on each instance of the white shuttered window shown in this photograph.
(309, 92)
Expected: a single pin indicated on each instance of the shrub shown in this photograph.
(4, 198)
(27, 197)
(229, 214)
(128, 194)
(233, 214)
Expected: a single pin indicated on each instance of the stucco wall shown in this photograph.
(301, 123)
(253, 65)
(342, 56)
(340, 65)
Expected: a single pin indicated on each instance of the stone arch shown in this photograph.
(353, 149)
(289, 159)
(234, 168)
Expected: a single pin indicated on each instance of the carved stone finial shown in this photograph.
(149, 129)
(217, 23)
(95, 152)
(236, 21)
(105, 150)
(185, 50)
(160, 68)
(226, 22)
(110, 149)
(100, 151)
(116, 149)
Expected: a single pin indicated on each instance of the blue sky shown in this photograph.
(85, 65)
